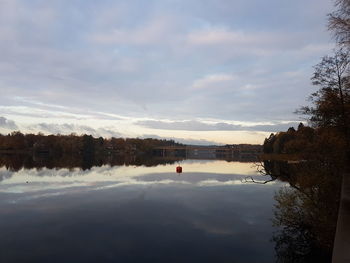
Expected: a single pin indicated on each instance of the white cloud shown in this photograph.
(244, 39)
(235, 43)
(212, 81)
(218, 36)
(155, 32)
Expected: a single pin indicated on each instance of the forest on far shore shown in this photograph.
(17, 142)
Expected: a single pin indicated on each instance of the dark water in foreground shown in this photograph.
(137, 214)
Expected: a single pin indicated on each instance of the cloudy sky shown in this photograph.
(223, 71)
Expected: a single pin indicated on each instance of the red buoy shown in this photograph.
(179, 169)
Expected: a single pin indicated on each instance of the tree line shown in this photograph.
(17, 142)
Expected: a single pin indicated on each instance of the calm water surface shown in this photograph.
(137, 214)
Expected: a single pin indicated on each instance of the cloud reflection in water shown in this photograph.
(196, 173)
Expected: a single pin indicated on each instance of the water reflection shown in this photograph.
(16, 162)
(306, 212)
(85, 161)
(197, 173)
(131, 213)
(136, 209)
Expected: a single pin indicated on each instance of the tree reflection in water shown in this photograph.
(16, 162)
(305, 213)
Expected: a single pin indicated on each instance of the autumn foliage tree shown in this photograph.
(331, 102)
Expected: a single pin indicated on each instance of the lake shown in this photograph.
(137, 213)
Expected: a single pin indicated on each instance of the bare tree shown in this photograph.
(339, 22)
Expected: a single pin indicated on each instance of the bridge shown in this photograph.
(210, 152)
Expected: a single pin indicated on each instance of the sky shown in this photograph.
(199, 72)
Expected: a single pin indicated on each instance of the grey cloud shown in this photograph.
(67, 128)
(52, 128)
(185, 125)
(275, 127)
(7, 124)
(220, 126)
(154, 79)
